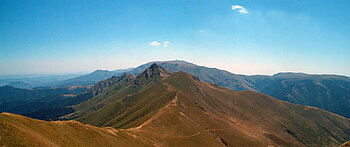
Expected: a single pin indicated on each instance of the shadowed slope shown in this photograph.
(104, 85)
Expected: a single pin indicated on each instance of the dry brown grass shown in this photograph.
(182, 111)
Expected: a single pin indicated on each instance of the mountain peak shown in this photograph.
(155, 65)
(155, 70)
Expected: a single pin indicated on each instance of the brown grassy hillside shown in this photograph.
(202, 111)
(159, 108)
(17, 130)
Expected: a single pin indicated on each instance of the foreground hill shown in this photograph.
(17, 130)
(176, 109)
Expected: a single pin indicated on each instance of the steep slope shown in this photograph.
(179, 110)
(108, 109)
(16, 130)
(104, 85)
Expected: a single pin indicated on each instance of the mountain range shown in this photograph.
(35, 81)
(162, 108)
(92, 78)
(329, 92)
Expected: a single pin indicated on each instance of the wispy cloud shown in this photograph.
(240, 9)
(154, 43)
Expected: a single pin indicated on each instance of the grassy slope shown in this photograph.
(16, 130)
(209, 114)
(129, 104)
(329, 92)
(241, 118)
(182, 111)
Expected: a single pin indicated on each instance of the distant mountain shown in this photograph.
(176, 109)
(19, 84)
(93, 77)
(329, 92)
(220, 77)
(34, 81)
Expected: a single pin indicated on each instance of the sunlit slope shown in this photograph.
(17, 130)
(239, 118)
(178, 109)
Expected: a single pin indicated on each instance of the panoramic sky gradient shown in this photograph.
(241, 36)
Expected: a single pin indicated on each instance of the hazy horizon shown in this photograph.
(242, 37)
(88, 72)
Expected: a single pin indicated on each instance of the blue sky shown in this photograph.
(256, 37)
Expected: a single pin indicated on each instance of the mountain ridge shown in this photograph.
(182, 101)
(329, 92)
(180, 110)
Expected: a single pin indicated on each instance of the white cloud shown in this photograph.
(236, 7)
(240, 9)
(154, 43)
